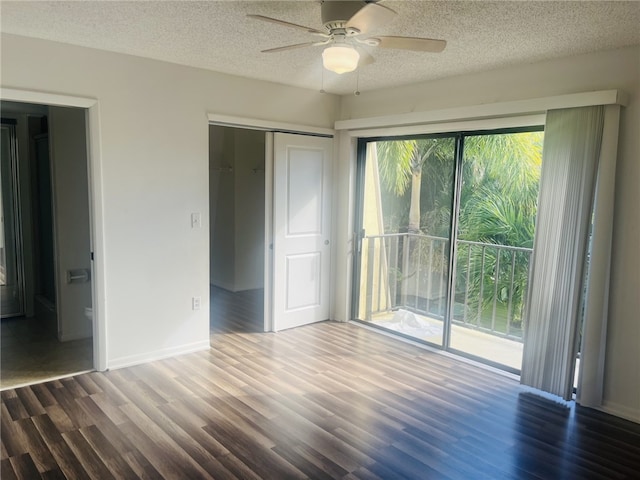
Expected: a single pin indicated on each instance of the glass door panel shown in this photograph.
(496, 220)
(407, 190)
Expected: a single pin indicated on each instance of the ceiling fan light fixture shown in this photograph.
(340, 58)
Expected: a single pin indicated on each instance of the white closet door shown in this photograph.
(302, 222)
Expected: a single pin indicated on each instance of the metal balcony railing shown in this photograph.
(410, 271)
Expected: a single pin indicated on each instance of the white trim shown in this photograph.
(98, 264)
(44, 98)
(159, 354)
(96, 203)
(489, 110)
(267, 125)
(462, 126)
(268, 232)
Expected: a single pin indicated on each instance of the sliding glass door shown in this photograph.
(407, 192)
(446, 232)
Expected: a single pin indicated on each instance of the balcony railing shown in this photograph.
(411, 271)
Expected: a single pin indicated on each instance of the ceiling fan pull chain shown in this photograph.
(357, 92)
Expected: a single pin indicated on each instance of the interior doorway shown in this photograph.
(237, 228)
(50, 333)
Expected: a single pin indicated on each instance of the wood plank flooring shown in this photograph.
(325, 401)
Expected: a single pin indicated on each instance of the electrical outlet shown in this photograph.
(195, 303)
(196, 220)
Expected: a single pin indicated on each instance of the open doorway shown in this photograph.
(48, 331)
(237, 228)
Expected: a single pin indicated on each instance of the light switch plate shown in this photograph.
(195, 303)
(196, 220)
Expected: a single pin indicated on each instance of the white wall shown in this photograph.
(154, 172)
(68, 147)
(617, 69)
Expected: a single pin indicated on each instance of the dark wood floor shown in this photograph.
(323, 401)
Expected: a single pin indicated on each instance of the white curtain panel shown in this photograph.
(570, 157)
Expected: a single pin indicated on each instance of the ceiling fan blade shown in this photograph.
(412, 43)
(286, 24)
(291, 47)
(365, 58)
(370, 17)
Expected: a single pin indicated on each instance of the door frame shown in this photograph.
(96, 203)
(270, 127)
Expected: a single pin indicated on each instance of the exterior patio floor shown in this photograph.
(474, 342)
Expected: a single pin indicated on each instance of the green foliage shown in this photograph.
(498, 206)
(498, 203)
(433, 161)
(477, 269)
(500, 188)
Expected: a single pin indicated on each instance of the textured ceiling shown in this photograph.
(217, 35)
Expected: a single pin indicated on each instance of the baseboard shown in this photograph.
(230, 287)
(132, 360)
(245, 287)
(622, 411)
(234, 288)
(67, 337)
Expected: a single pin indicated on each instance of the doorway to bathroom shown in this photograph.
(46, 327)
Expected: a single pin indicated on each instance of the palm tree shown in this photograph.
(401, 164)
(497, 205)
(500, 188)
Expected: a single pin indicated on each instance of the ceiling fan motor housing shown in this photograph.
(335, 14)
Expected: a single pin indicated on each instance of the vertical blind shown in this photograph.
(570, 158)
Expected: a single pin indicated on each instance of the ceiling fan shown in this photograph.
(346, 26)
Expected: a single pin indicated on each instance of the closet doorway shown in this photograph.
(237, 228)
(270, 220)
